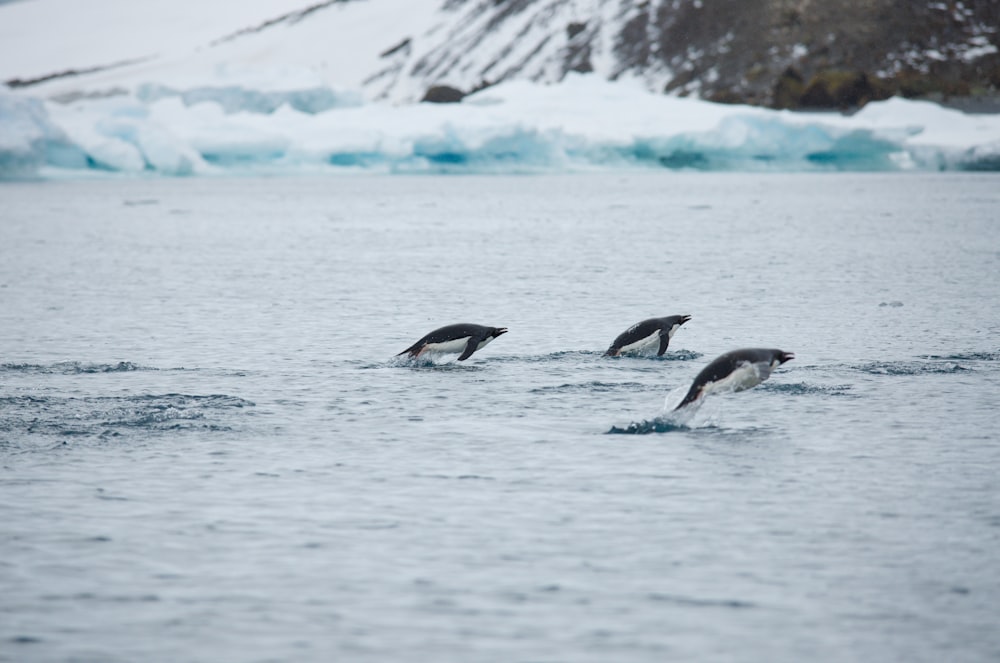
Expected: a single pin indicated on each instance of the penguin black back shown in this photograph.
(462, 337)
(646, 333)
(740, 369)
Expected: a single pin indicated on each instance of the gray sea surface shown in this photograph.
(209, 451)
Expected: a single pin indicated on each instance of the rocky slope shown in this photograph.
(777, 53)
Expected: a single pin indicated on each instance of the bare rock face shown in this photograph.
(443, 94)
(836, 54)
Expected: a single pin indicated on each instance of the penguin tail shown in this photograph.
(693, 394)
(413, 351)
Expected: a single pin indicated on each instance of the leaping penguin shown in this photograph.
(736, 371)
(644, 334)
(465, 338)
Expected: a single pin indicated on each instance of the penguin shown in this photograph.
(644, 334)
(464, 338)
(736, 370)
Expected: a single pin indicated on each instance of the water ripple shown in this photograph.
(591, 386)
(74, 367)
(964, 356)
(699, 602)
(803, 389)
(562, 355)
(910, 368)
(111, 416)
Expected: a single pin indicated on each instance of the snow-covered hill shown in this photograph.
(747, 50)
(179, 87)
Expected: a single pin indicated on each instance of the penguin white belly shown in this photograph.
(745, 377)
(643, 343)
(455, 345)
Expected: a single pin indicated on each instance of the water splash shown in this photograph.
(661, 424)
(669, 420)
(437, 362)
(681, 355)
(670, 355)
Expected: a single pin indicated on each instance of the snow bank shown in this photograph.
(582, 123)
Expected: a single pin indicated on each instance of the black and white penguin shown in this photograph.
(736, 371)
(463, 337)
(643, 334)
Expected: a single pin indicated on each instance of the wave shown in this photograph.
(964, 356)
(672, 355)
(592, 386)
(700, 602)
(910, 367)
(153, 411)
(686, 423)
(803, 389)
(112, 416)
(85, 368)
(74, 367)
(561, 355)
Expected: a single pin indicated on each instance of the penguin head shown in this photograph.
(781, 356)
(497, 331)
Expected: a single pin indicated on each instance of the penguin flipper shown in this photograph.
(664, 342)
(470, 347)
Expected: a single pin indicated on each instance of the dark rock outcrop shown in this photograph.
(443, 94)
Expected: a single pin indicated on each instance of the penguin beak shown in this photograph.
(500, 330)
(786, 356)
(685, 318)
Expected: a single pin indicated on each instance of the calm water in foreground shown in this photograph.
(209, 453)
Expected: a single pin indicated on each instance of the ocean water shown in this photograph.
(208, 451)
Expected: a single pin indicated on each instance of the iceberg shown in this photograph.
(582, 123)
(236, 98)
(29, 139)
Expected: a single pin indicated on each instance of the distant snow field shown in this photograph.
(256, 87)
